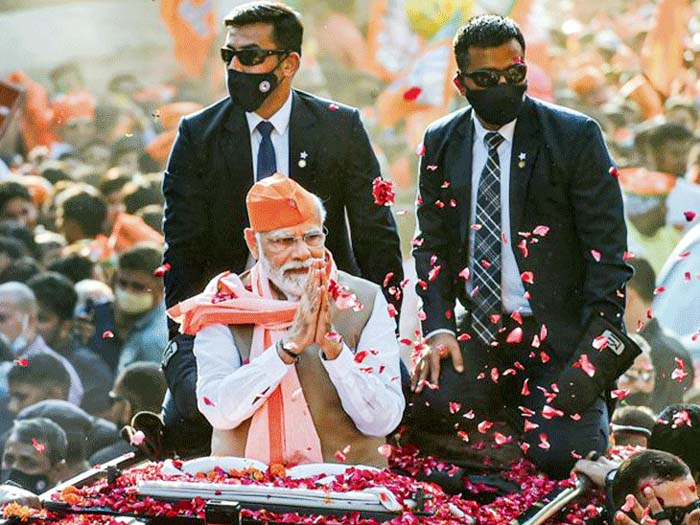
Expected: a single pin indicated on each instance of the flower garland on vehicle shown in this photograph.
(122, 497)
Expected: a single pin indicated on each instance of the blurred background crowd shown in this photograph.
(90, 99)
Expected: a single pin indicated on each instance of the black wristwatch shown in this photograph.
(286, 347)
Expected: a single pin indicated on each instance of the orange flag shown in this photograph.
(192, 25)
(662, 52)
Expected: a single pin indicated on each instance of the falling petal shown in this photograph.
(689, 215)
(515, 336)
(137, 438)
(420, 149)
(412, 93)
(596, 255)
(527, 277)
(484, 426)
(39, 447)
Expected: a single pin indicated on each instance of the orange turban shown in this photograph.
(279, 202)
(80, 104)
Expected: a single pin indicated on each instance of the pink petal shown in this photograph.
(420, 149)
(333, 336)
(494, 375)
(544, 442)
(541, 230)
(525, 391)
(596, 255)
(464, 274)
(613, 171)
(484, 426)
(500, 439)
(40, 448)
(515, 336)
(463, 436)
(385, 450)
(529, 425)
(107, 334)
(620, 394)
(463, 337)
(600, 342)
(628, 256)
(387, 279)
(412, 93)
(527, 277)
(391, 310)
(208, 402)
(584, 364)
(137, 438)
(162, 270)
(549, 412)
(333, 107)
(433, 273)
(522, 245)
(24, 363)
(659, 290)
(455, 407)
(431, 167)
(689, 215)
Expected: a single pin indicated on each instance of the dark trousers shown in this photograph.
(492, 388)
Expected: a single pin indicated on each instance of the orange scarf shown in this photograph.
(226, 301)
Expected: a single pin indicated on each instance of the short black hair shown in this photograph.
(139, 195)
(74, 266)
(288, 30)
(87, 209)
(484, 31)
(12, 247)
(645, 466)
(55, 292)
(634, 416)
(12, 190)
(684, 440)
(21, 270)
(143, 384)
(142, 257)
(41, 369)
(46, 432)
(74, 421)
(644, 279)
(114, 180)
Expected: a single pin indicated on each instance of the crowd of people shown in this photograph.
(119, 213)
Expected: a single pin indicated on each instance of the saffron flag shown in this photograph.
(662, 52)
(192, 26)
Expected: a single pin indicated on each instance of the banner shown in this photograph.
(192, 24)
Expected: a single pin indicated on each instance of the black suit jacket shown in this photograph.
(564, 184)
(210, 171)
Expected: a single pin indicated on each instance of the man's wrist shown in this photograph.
(284, 350)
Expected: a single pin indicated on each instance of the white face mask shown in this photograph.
(20, 342)
(133, 303)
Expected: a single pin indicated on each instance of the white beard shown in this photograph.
(292, 285)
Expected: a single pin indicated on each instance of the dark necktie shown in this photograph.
(267, 162)
(487, 245)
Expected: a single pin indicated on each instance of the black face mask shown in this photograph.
(497, 105)
(36, 483)
(249, 90)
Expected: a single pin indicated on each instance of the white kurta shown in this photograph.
(229, 392)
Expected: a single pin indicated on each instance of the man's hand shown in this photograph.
(595, 470)
(441, 345)
(638, 510)
(11, 494)
(326, 337)
(302, 333)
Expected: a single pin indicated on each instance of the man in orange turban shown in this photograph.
(297, 361)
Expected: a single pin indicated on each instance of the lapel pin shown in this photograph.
(302, 159)
(522, 157)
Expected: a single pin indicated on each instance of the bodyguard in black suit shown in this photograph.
(520, 220)
(221, 151)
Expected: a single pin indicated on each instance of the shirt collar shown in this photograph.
(279, 120)
(507, 130)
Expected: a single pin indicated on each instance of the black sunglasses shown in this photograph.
(486, 78)
(250, 57)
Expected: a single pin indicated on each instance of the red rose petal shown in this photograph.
(107, 334)
(596, 255)
(24, 363)
(39, 447)
(208, 402)
(515, 336)
(527, 277)
(420, 149)
(484, 426)
(689, 215)
(412, 93)
(162, 270)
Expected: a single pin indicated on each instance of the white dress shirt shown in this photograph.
(279, 136)
(512, 289)
(370, 391)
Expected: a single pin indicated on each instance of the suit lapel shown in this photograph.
(236, 149)
(302, 143)
(526, 145)
(458, 159)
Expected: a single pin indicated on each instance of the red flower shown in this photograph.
(383, 192)
(161, 270)
(412, 93)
